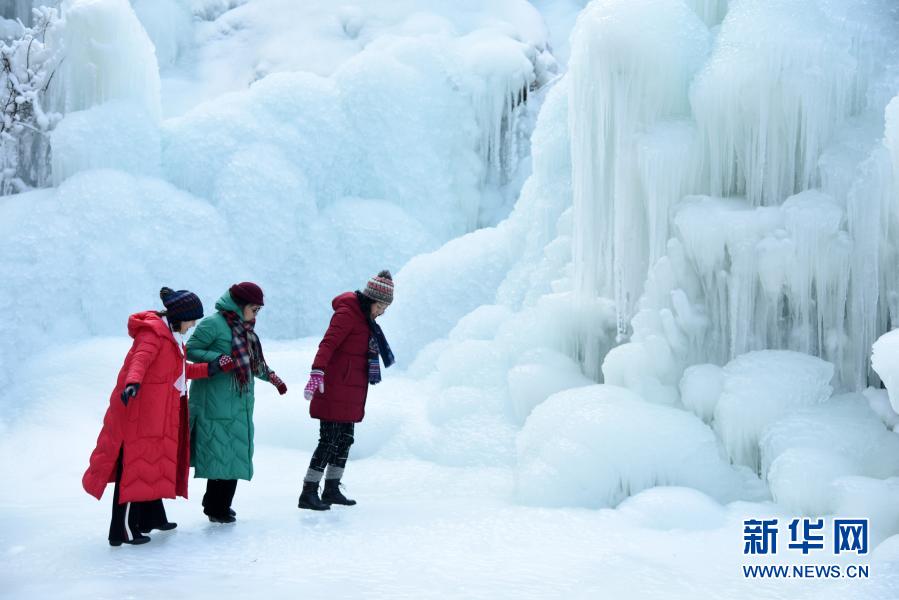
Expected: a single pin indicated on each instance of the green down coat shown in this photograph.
(221, 419)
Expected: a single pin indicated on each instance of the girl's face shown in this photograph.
(250, 311)
(186, 325)
(377, 309)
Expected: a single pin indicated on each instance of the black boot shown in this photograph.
(217, 500)
(333, 495)
(137, 541)
(219, 518)
(151, 515)
(167, 526)
(309, 498)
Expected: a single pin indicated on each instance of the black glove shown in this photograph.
(129, 392)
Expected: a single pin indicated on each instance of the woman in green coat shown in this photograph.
(221, 407)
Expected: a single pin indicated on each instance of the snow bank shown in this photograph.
(700, 389)
(597, 445)
(845, 425)
(885, 361)
(760, 388)
(107, 241)
(803, 454)
(874, 499)
(538, 375)
(113, 135)
(435, 290)
(800, 479)
(673, 509)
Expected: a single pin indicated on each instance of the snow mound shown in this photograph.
(673, 509)
(885, 362)
(804, 453)
(845, 425)
(597, 445)
(539, 374)
(760, 388)
(700, 389)
(433, 291)
(113, 135)
(874, 499)
(800, 479)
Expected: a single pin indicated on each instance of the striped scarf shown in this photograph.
(377, 346)
(246, 351)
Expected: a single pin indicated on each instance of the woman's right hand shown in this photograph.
(316, 382)
(129, 392)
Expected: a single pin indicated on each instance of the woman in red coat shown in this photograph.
(143, 446)
(346, 363)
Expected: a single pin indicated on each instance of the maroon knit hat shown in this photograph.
(246, 292)
(380, 288)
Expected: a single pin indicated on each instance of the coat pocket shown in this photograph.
(152, 401)
(356, 373)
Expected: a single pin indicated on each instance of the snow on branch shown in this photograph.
(27, 66)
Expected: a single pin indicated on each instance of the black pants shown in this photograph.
(334, 441)
(218, 497)
(130, 518)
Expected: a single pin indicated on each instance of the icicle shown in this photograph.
(630, 67)
(779, 83)
(108, 57)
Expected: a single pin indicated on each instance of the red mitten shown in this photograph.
(225, 363)
(277, 382)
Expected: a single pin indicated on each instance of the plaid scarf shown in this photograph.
(246, 351)
(377, 345)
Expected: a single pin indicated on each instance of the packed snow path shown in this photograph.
(420, 530)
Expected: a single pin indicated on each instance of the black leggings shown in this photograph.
(334, 441)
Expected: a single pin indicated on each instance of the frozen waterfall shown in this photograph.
(738, 181)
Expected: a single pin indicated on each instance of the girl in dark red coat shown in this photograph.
(143, 446)
(345, 365)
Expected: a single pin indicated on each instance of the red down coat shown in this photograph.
(343, 356)
(152, 431)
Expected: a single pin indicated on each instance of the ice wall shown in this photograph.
(169, 24)
(630, 68)
(736, 194)
(108, 57)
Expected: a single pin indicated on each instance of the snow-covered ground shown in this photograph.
(420, 530)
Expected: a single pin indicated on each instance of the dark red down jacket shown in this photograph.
(343, 356)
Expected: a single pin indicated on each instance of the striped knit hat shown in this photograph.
(181, 305)
(380, 288)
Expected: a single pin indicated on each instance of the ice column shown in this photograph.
(108, 56)
(631, 64)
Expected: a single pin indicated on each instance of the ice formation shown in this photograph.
(596, 445)
(739, 189)
(108, 56)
